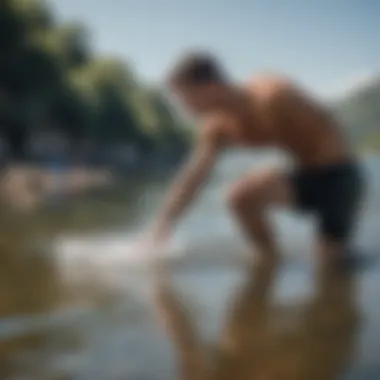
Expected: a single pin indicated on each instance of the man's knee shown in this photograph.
(247, 194)
(236, 197)
(260, 189)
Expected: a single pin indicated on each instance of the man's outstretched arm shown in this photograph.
(189, 181)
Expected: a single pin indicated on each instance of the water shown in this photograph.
(76, 302)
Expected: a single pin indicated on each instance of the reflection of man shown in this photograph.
(265, 342)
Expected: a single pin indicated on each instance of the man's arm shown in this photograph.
(189, 180)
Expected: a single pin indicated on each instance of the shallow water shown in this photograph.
(75, 303)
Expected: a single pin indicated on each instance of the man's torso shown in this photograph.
(277, 114)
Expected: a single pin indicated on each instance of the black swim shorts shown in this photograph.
(333, 193)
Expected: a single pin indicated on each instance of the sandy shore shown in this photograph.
(26, 187)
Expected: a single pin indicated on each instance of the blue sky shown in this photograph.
(328, 45)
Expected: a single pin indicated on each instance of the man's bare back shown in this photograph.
(272, 112)
(268, 111)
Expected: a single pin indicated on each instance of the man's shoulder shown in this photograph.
(270, 85)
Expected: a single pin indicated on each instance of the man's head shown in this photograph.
(199, 82)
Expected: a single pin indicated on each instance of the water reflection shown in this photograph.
(54, 329)
(265, 341)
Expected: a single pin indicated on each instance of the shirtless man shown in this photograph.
(268, 111)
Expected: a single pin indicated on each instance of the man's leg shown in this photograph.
(329, 251)
(334, 236)
(339, 203)
(249, 200)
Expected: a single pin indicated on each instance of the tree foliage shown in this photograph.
(49, 76)
(360, 113)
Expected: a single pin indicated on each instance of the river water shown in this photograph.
(77, 302)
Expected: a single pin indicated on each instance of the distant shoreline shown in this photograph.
(25, 187)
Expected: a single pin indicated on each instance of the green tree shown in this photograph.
(50, 77)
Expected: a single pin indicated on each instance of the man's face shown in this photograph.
(198, 99)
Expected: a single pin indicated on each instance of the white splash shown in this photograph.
(107, 255)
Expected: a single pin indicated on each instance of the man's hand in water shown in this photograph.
(189, 181)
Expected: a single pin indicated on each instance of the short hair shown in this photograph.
(196, 68)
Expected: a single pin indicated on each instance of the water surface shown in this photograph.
(76, 304)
